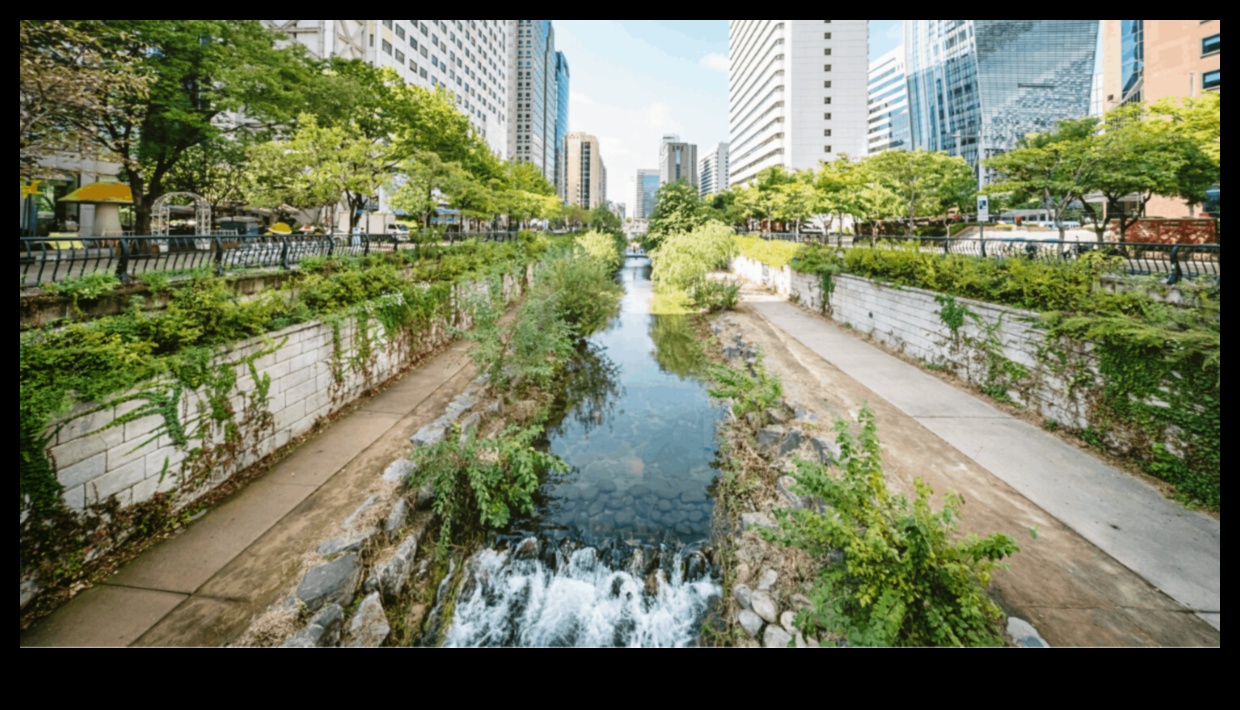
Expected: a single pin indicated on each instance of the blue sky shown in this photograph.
(635, 80)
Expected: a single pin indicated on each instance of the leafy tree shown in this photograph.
(926, 184)
(604, 220)
(215, 170)
(320, 166)
(1056, 169)
(63, 75)
(426, 177)
(1198, 120)
(678, 209)
(1142, 155)
(202, 74)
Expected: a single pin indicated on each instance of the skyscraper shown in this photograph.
(797, 93)
(678, 161)
(535, 97)
(713, 171)
(979, 86)
(586, 175)
(647, 193)
(561, 121)
(889, 123)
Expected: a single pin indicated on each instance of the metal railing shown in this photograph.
(45, 260)
(1174, 262)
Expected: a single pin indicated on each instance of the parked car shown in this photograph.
(400, 232)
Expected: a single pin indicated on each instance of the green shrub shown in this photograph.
(481, 484)
(905, 578)
(775, 254)
(84, 288)
(713, 296)
(584, 290)
(606, 248)
(683, 260)
(757, 391)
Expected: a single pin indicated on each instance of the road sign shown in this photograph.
(983, 209)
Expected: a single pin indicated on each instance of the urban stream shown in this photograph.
(616, 554)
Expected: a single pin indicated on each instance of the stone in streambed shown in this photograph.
(370, 627)
(323, 631)
(333, 583)
(750, 622)
(764, 606)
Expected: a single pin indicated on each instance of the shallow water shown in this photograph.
(612, 557)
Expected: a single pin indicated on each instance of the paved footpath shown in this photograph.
(1176, 550)
(202, 587)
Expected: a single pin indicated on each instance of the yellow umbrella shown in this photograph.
(107, 198)
(280, 229)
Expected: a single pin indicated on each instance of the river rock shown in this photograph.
(1024, 635)
(397, 518)
(354, 541)
(800, 601)
(29, 589)
(750, 622)
(764, 606)
(743, 596)
(391, 575)
(624, 517)
(776, 416)
(751, 521)
(323, 631)
(399, 471)
(788, 621)
(828, 451)
(369, 628)
(785, 486)
(791, 442)
(664, 506)
(754, 420)
(527, 550)
(776, 637)
(352, 519)
(469, 427)
(805, 416)
(429, 435)
(606, 487)
(768, 580)
(770, 438)
(333, 583)
(640, 491)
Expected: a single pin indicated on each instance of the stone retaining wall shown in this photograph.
(314, 369)
(998, 349)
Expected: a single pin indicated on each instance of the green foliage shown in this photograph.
(953, 314)
(84, 288)
(607, 248)
(713, 296)
(482, 484)
(906, 578)
(678, 210)
(684, 259)
(775, 254)
(584, 292)
(755, 391)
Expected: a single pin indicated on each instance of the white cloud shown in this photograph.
(715, 62)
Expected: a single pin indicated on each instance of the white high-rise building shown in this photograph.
(713, 171)
(467, 58)
(798, 93)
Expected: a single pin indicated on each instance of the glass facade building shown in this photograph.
(561, 121)
(647, 193)
(889, 124)
(533, 67)
(1132, 59)
(976, 87)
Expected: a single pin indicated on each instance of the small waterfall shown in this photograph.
(612, 596)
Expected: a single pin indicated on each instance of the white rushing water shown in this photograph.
(582, 603)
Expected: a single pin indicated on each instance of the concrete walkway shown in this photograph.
(202, 587)
(1176, 550)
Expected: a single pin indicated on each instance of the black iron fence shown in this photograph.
(56, 259)
(1173, 262)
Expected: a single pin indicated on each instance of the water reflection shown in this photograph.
(640, 434)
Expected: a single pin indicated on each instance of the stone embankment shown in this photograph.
(359, 583)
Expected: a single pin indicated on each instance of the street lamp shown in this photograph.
(983, 202)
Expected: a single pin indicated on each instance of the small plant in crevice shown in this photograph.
(480, 484)
(753, 391)
(894, 572)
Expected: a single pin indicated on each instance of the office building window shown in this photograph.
(1211, 45)
(1210, 80)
